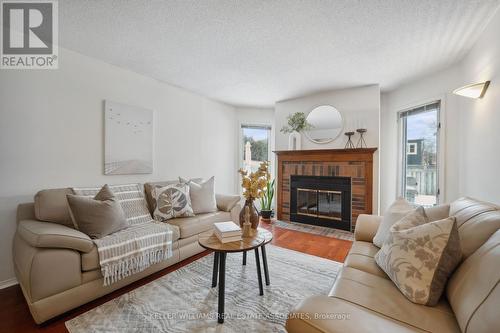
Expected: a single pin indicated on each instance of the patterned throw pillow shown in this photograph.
(172, 201)
(130, 197)
(419, 257)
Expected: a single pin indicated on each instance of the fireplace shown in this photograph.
(321, 200)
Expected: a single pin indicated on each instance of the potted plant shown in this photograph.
(254, 186)
(296, 123)
(267, 200)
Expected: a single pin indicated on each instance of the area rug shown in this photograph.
(316, 230)
(182, 301)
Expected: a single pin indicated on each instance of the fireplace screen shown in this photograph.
(319, 203)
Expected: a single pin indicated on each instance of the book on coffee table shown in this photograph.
(227, 231)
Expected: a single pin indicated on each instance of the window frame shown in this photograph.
(440, 157)
(240, 141)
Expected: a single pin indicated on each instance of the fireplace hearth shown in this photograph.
(321, 200)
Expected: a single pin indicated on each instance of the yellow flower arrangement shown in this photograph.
(255, 183)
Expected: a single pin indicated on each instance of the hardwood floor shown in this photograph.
(15, 316)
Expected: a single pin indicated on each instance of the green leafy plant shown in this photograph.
(297, 122)
(267, 199)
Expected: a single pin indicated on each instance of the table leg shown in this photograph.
(259, 274)
(264, 260)
(216, 267)
(244, 258)
(222, 286)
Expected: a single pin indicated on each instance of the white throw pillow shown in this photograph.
(172, 201)
(394, 213)
(202, 195)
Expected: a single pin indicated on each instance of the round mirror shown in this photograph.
(326, 124)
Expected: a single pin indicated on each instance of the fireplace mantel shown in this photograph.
(354, 163)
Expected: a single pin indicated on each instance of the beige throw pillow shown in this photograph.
(394, 213)
(202, 195)
(172, 201)
(98, 216)
(419, 257)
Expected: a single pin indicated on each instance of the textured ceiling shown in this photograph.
(255, 53)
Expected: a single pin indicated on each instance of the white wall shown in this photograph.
(431, 88)
(51, 133)
(356, 104)
(480, 119)
(472, 127)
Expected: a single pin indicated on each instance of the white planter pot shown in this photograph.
(295, 141)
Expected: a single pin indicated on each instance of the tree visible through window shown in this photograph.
(420, 169)
(255, 146)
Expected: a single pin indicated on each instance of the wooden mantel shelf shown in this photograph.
(359, 154)
(325, 151)
(355, 163)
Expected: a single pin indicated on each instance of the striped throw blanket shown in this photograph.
(131, 250)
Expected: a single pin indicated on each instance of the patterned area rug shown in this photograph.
(182, 301)
(317, 230)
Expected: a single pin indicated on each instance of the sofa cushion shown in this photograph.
(473, 290)
(394, 213)
(419, 257)
(189, 226)
(339, 316)
(52, 206)
(53, 235)
(98, 216)
(90, 260)
(364, 263)
(476, 221)
(380, 295)
(364, 248)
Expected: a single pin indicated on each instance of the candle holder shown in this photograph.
(361, 142)
(349, 144)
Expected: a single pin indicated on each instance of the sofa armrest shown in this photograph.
(235, 213)
(226, 202)
(53, 235)
(366, 227)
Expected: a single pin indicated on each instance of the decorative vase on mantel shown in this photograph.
(254, 215)
(294, 141)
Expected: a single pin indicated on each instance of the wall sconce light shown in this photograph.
(475, 90)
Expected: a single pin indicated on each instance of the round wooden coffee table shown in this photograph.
(210, 242)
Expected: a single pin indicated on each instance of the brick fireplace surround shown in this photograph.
(354, 163)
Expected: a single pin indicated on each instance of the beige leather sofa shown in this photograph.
(363, 298)
(58, 267)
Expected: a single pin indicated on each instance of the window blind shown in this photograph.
(420, 109)
(265, 127)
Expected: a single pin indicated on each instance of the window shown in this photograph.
(412, 149)
(419, 176)
(255, 146)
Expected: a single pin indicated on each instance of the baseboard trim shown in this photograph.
(8, 283)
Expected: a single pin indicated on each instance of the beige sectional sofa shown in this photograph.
(364, 299)
(58, 267)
